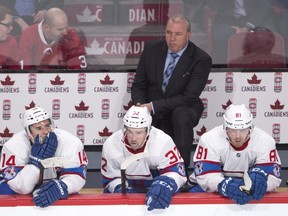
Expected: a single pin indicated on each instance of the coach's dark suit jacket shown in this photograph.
(186, 83)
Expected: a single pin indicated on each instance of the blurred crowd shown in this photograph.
(218, 20)
(35, 34)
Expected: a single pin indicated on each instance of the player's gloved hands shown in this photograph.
(49, 193)
(118, 189)
(259, 182)
(229, 187)
(40, 151)
(160, 194)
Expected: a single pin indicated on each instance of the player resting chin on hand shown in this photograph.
(23, 157)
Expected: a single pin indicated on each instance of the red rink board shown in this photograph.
(137, 199)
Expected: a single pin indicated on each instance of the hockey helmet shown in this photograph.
(238, 117)
(137, 117)
(34, 115)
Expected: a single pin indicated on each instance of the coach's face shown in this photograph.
(176, 35)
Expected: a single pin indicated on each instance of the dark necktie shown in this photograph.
(169, 70)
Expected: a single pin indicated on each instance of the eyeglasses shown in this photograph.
(8, 25)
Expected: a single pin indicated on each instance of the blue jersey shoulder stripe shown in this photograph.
(204, 167)
(271, 168)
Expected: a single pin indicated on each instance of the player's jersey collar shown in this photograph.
(242, 147)
(127, 145)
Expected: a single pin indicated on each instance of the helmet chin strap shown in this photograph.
(30, 137)
(145, 140)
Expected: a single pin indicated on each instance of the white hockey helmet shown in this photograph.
(238, 117)
(34, 115)
(138, 117)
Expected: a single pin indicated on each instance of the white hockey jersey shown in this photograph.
(22, 177)
(163, 159)
(215, 158)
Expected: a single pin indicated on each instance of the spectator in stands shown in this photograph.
(237, 160)
(194, 11)
(51, 44)
(23, 158)
(257, 51)
(234, 17)
(160, 173)
(8, 44)
(280, 9)
(28, 12)
(175, 105)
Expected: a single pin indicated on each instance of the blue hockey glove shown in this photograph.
(259, 182)
(42, 151)
(160, 194)
(118, 189)
(229, 187)
(49, 193)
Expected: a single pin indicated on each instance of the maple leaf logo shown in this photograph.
(127, 107)
(105, 132)
(6, 133)
(229, 102)
(31, 105)
(107, 81)
(202, 131)
(277, 105)
(8, 81)
(209, 81)
(94, 48)
(86, 16)
(254, 80)
(81, 106)
(57, 81)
